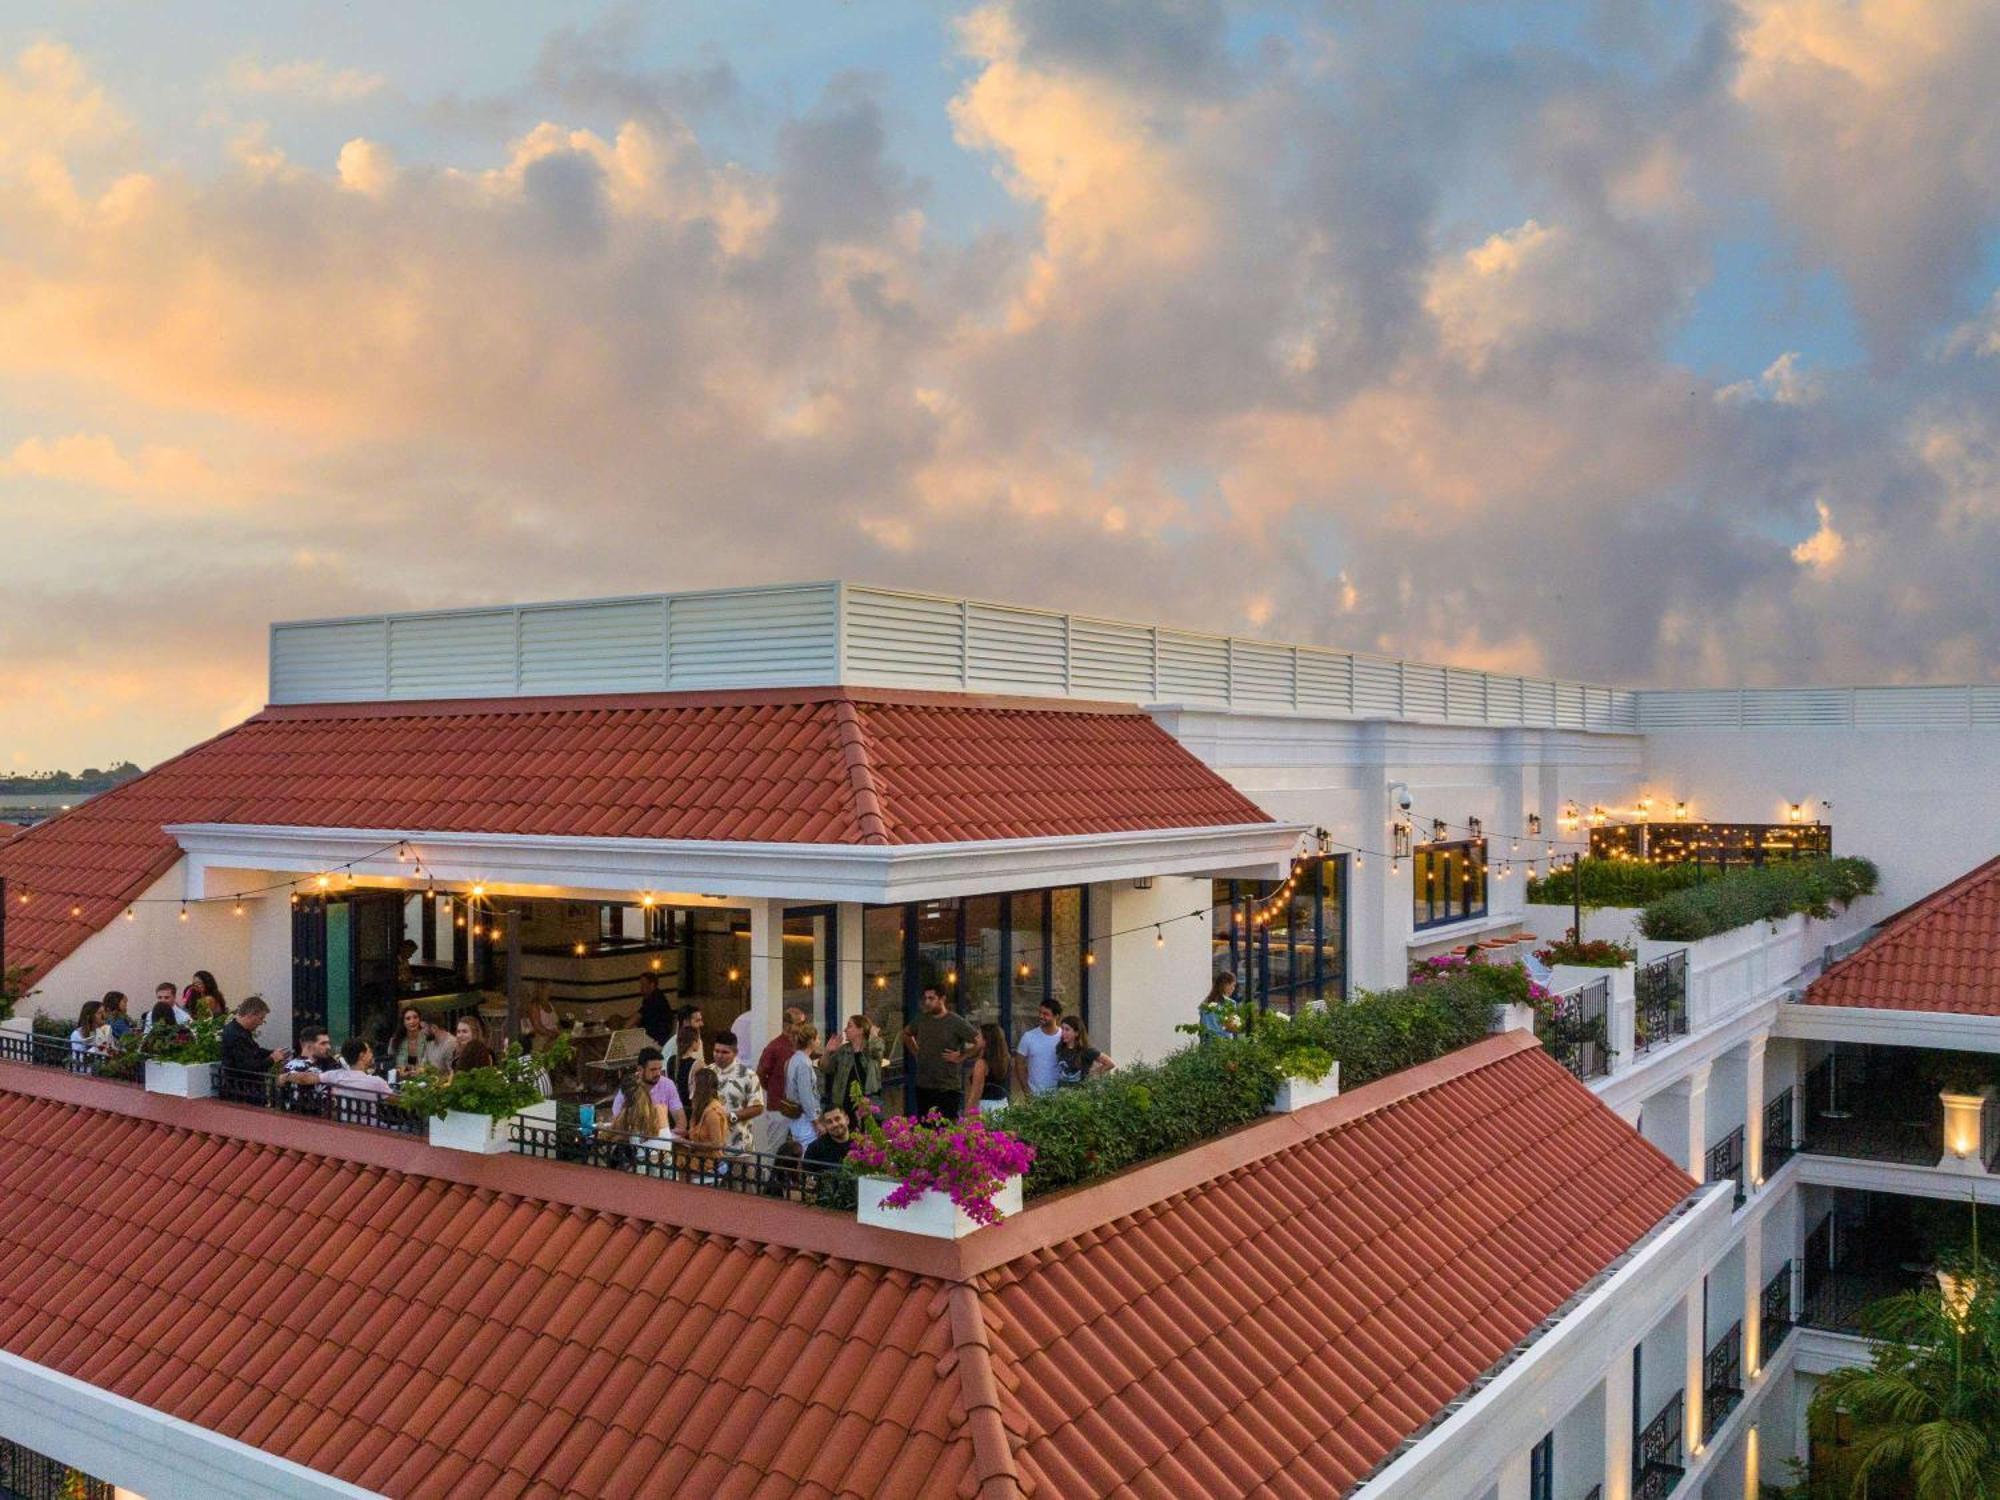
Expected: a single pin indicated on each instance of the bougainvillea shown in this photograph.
(968, 1160)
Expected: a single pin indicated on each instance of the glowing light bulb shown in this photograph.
(478, 891)
(325, 882)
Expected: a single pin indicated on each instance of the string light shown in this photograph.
(238, 908)
(1159, 938)
(130, 915)
(184, 911)
(77, 911)
(325, 882)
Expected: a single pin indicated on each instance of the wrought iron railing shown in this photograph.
(46, 1050)
(1774, 1316)
(1838, 1300)
(1656, 1457)
(1575, 1029)
(1778, 1132)
(1725, 1162)
(1721, 1380)
(28, 1475)
(269, 1089)
(757, 1173)
(1659, 997)
(1857, 1137)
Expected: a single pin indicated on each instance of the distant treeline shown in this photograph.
(88, 780)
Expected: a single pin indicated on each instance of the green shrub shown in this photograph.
(1816, 887)
(1615, 882)
(1150, 1109)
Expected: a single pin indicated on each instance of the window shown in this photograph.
(995, 958)
(1300, 954)
(1448, 882)
(1542, 1469)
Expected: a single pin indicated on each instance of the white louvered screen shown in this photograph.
(1016, 650)
(1194, 668)
(1378, 688)
(1423, 690)
(1260, 676)
(336, 661)
(463, 655)
(1326, 681)
(1111, 659)
(905, 640)
(754, 638)
(608, 648)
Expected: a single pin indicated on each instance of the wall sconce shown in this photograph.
(1596, 816)
(1473, 826)
(1437, 830)
(1680, 812)
(1796, 812)
(1399, 846)
(1534, 825)
(1143, 883)
(1962, 1143)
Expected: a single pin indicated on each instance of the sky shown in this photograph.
(1655, 344)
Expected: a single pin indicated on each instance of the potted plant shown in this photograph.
(938, 1177)
(1308, 1073)
(469, 1110)
(181, 1059)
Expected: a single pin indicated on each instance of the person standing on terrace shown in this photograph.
(990, 1078)
(1077, 1062)
(656, 1011)
(942, 1042)
(855, 1064)
(742, 1095)
(1035, 1053)
(771, 1065)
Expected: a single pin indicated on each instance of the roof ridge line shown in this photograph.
(1899, 924)
(996, 1474)
(856, 756)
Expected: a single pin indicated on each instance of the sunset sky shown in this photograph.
(1644, 343)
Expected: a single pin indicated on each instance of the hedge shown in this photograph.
(1816, 887)
(1616, 882)
(1146, 1110)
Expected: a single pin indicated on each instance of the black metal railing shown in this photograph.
(1576, 1029)
(47, 1050)
(282, 1092)
(1721, 1380)
(1725, 1162)
(1836, 1300)
(1774, 1316)
(28, 1475)
(1778, 1132)
(1659, 995)
(757, 1173)
(1911, 1142)
(1656, 1457)
(1596, 1492)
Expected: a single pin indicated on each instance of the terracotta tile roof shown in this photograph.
(1275, 1329)
(8, 830)
(1942, 954)
(821, 766)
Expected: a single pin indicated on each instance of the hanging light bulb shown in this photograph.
(806, 980)
(1089, 959)
(130, 915)
(77, 911)
(1159, 938)
(579, 950)
(184, 911)
(238, 908)
(734, 975)
(325, 882)
(647, 901)
(881, 981)
(478, 891)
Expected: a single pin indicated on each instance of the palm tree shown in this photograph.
(1925, 1411)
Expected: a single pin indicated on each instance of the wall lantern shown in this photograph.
(1680, 812)
(1437, 830)
(1534, 825)
(1399, 847)
(1795, 813)
(1473, 827)
(1964, 1147)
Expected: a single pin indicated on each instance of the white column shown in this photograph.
(851, 984)
(1618, 1434)
(1753, 1294)
(1514, 1476)
(1697, 1349)
(767, 974)
(1753, 1111)
(1696, 1084)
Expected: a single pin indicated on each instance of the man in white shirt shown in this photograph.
(1035, 1053)
(353, 1080)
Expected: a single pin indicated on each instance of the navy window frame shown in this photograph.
(1249, 945)
(1431, 906)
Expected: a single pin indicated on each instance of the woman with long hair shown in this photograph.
(986, 1085)
(1077, 1061)
(686, 1059)
(203, 996)
(92, 1033)
(856, 1064)
(473, 1051)
(708, 1123)
(405, 1050)
(1217, 1002)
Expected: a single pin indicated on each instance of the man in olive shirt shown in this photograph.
(942, 1042)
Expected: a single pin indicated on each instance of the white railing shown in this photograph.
(820, 634)
(1961, 706)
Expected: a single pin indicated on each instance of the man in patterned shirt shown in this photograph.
(742, 1095)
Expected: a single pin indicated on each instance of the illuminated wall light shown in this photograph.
(1795, 813)
(1680, 812)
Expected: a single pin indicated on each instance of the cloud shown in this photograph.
(1365, 335)
(310, 80)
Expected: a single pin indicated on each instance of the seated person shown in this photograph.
(652, 1079)
(353, 1076)
(472, 1051)
(638, 1125)
(830, 1147)
(315, 1056)
(540, 1025)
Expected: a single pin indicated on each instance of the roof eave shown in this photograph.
(874, 873)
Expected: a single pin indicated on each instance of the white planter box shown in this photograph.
(182, 1080)
(933, 1214)
(461, 1130)
(1297, 1093)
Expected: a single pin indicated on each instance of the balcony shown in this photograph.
(1721, 1381)
(1778, 1116)
(1656, 1458)
(1774, 1315)
(1726, 1162)
(1576, 1029)
(1659, 999)
(1883, 1104)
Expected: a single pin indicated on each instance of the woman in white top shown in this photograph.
(93, 1032)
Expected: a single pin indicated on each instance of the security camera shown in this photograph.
(1400, 791)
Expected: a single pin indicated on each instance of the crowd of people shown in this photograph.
(693, 1094)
